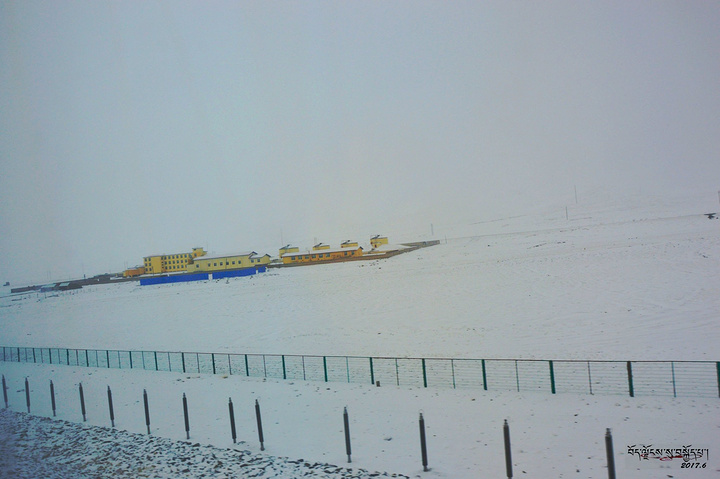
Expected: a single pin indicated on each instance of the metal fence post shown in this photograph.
(147, 410)
(372, 372)
(452, 367)
(508, 454)
(552, 377)
(717, 366)
(27, 394)
(630, 379)
(325, 368)
(182, 355)
(397, 372)
(259, 425)
(484, 374)
(187, 419)
(672, 369)
(212, 357)
(110, 407)
(82, 402)
(283, 366)
(610, 454)
(247, 367)
(4, 387)
(346, 422)
(232, 421)
(52, 397)
(156, 363)
(423, 444)
(424, 371)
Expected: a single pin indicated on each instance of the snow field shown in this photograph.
(613, 281)
(552, 435)
(633, 291)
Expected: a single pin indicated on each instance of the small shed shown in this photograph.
(378, 240)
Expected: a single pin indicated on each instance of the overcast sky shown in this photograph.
(140, 127)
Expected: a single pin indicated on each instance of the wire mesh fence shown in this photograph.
(634, 378)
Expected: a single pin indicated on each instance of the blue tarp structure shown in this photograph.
(180, 278)
(238, 272)
(183, 278)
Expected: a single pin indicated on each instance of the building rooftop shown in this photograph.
(218, 256)
(322, 251)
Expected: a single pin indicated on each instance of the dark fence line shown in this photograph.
(687, 451)
(634, 378)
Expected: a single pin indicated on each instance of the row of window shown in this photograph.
(171, 256)
(317, 256)
(224, 264)
(228, 263)
(176, 256)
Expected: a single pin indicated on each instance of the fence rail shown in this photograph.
(634, 378)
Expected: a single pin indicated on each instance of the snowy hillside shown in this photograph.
(628, 283)
(611, 280)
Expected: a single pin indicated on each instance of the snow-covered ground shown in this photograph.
(613, 279)
(615, 283)
(552, 435)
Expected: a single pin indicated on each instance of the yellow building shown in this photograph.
(321, 246)
(319, 256)
(171, 263)
(225, 262)
(136, 271)
(288, 249)
(349, 244)
(378, 240)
